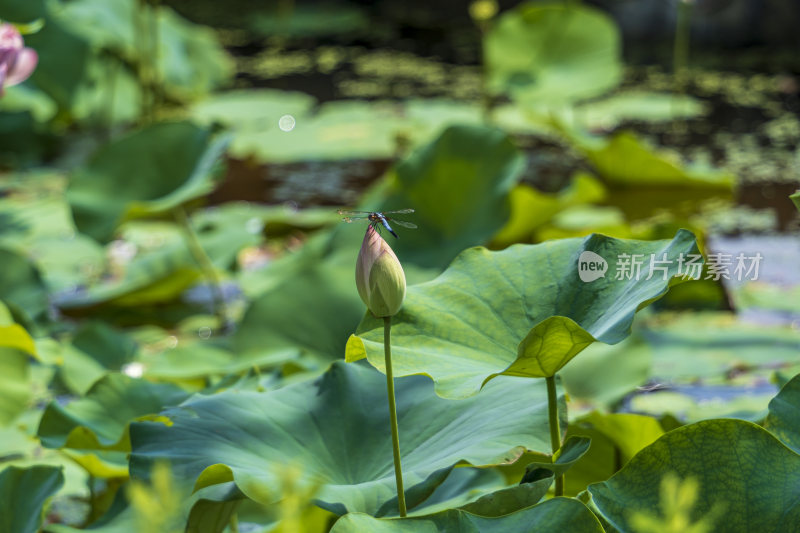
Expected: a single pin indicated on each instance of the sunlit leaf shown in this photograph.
(190, 61)
(99, 420)
(570, 452)
(150, 171)
(558, 514)
(23, 494)
(482, 165)
(738, 465)
(625, 160)
(783, 420)
(15, 383)
(252, 109)
(250, 437)
(604, 374)
(570, 52)
(523, 311)
(21, 286)
(63, 56)
(640, 106)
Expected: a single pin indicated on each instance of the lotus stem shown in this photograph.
(680, 52)
(155, 63)
(206, 266)
(398, 471)
(142, 65)
(555, 429)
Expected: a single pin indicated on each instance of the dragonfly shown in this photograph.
(377, 217)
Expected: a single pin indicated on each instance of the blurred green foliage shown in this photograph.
(169, 343)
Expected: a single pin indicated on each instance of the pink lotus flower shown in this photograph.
(16, 61)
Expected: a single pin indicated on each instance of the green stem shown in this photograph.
(257, 372)
(555, 429)
(234, 523)
(92, 500)
(155, 63)
(206, 266)
(113, 73)
(398, 471)
(142, 67)
(680, 52)
(486, 97)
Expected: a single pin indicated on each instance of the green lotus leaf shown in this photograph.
(571, 451)
(709, 345)
(206, 511)
(336, 430)
(480, 491)
(738, 466)
(629, 432)
(532, 209)
(149, 171)
(639, 106)
(625, 160)
(252, 109)
(27, 98)
(191, 61)
(109, 346)
(643, 179)
(23, 494)
(16, 345)
(43, 228)
(691, 403)
(522, 311)
(783, 419)
(347, 129)
(211, 514)
(63, 57)
(309, 300)
(548, 52)
(14, 336)
(510, 499)
(101, 464)
(160, 274)
(200, 359)
(480, 163)
(99, 420)
(21, 287)
(315, 308)
(604, 374)
(464, 485)
(15, 382)
(557, 514)
(22, 11)
(616, 437)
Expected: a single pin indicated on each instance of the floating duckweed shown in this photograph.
(276, 63)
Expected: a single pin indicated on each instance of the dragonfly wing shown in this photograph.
(354, 213)
(399, 211)
(403, 223)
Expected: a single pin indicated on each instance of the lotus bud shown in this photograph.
(380, 279)
(16, 61)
